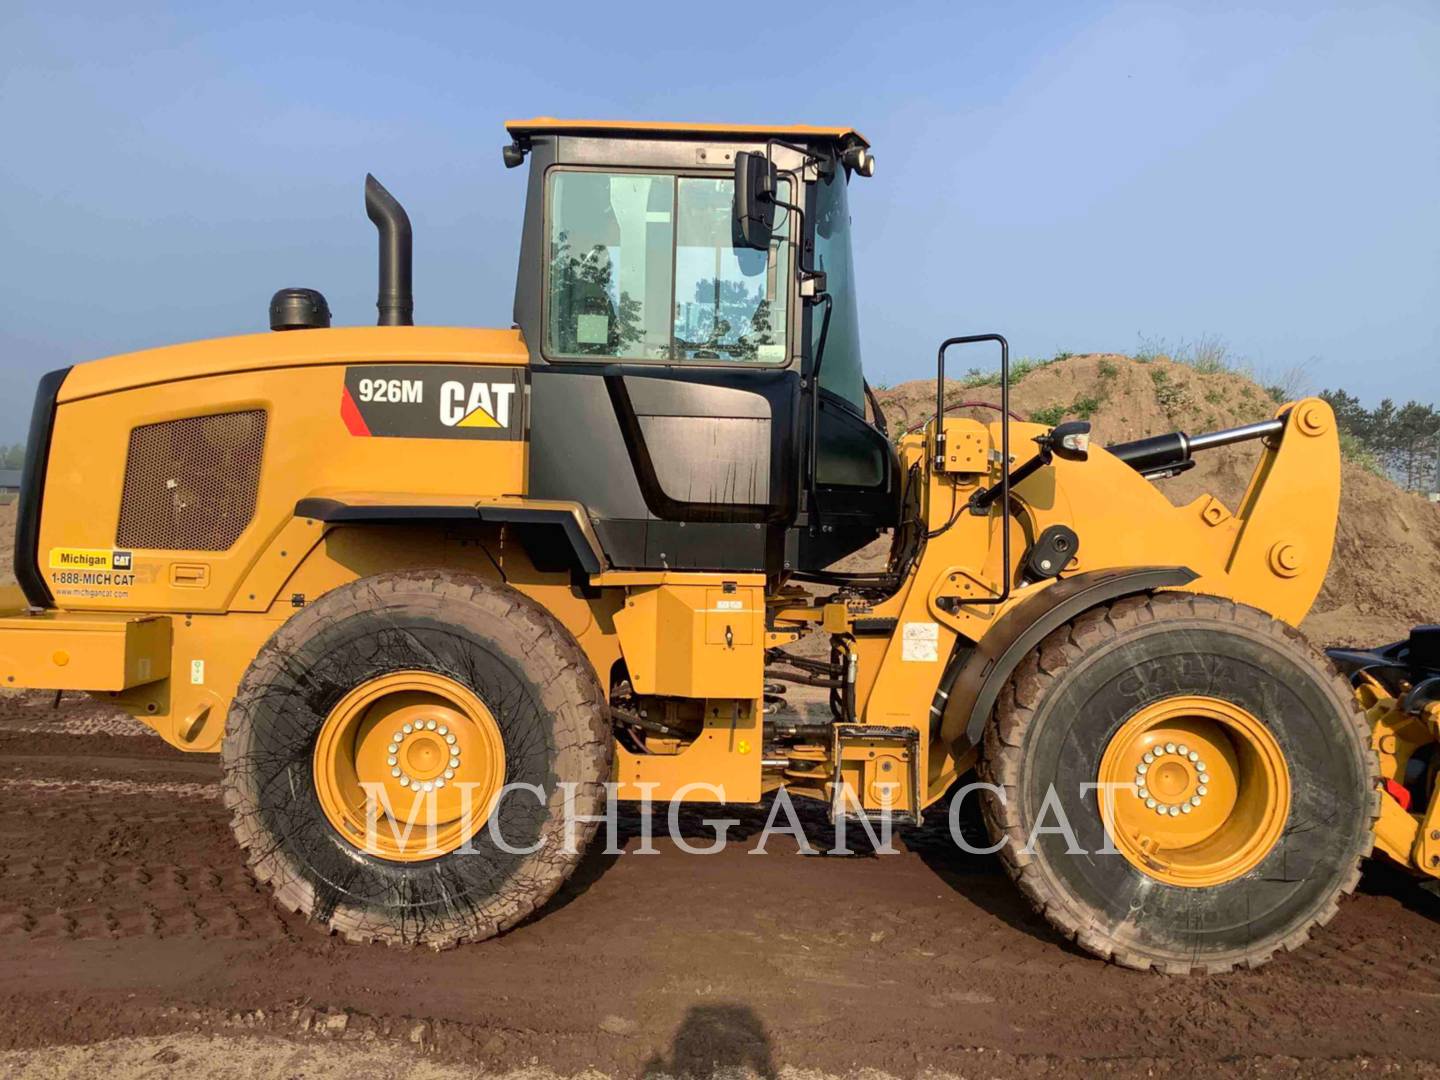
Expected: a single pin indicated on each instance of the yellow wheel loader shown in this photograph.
(432, 593)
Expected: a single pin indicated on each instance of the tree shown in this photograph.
(1404, 439)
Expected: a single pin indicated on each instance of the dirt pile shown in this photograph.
(1382, 579)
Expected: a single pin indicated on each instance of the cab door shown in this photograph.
(664, 391)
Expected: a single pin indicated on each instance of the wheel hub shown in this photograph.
(407, 765)
(1199, 790)
(1172, 779)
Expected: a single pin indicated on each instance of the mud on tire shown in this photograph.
(1055, 719)
(525, 667)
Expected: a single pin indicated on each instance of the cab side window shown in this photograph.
(611, 238)
(644, 267)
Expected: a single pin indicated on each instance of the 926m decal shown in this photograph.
(434, 401)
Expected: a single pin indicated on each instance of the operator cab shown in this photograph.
(673, 356)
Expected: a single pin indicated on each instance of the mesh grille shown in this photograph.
(190, 484)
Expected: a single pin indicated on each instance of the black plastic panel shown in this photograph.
(685, 469)
(32, 491)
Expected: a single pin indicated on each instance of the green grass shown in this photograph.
(1080, 409)
(1148, 350)
(1108, 369)
(1018, 370)
(1208, 354)
(1049, 416)
(1166, 392)
(1353, 450)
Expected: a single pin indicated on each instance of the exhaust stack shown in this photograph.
(396, 302)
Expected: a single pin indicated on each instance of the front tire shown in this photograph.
(1204, 870)
(445, 676)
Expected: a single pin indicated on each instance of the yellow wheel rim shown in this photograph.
(1195, 791)
(408, 766)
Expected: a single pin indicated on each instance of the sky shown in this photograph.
(1078, 176)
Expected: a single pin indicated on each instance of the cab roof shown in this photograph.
(664, 129)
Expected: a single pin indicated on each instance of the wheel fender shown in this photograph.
(977, 677)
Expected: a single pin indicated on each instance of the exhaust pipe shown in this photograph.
(396, 302)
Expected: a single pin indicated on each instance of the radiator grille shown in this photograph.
(190, 484)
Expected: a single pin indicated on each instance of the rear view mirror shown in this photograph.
(755, 182)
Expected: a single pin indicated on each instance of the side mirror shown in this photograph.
(755, 182)
(1071, 439)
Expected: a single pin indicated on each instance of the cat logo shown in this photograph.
(434, 401)
(483, 405)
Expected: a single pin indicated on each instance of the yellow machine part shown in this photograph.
(1272, 553)
(53, 650)
(1195, 823)
(1411, 839)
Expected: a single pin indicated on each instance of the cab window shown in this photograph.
(644, 267)
(840, 370)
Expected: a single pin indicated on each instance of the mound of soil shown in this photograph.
(1382, 577)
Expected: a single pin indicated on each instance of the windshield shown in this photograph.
(840, 370)
(644, 266)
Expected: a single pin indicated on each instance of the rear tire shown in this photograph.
(483, 639)
(1073, 698)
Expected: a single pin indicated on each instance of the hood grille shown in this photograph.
(191, 484)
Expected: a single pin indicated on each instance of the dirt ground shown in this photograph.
(133, 943)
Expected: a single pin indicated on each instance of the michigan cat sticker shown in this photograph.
(92, 573)
(434, 401)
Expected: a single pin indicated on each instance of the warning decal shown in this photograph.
(434, 401)
(920, 642)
